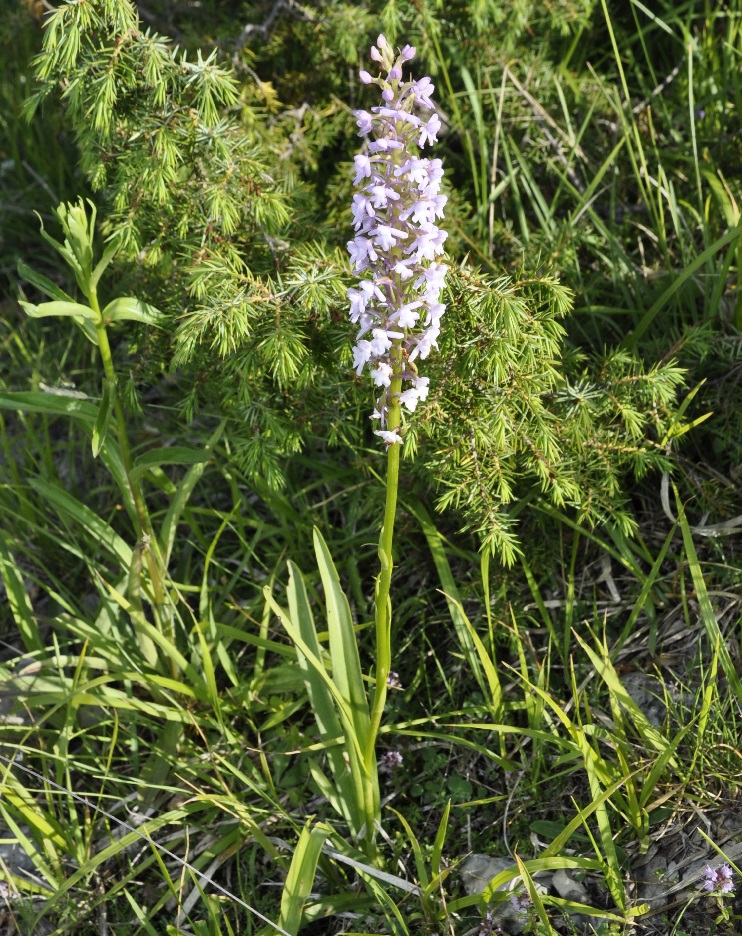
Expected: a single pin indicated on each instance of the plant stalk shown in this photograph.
(383, 582)
(147, 540)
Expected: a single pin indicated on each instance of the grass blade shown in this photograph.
(708, 618)
(301, 876)
(20, 603)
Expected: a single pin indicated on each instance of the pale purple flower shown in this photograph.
(363, 119)
(425, 344)
(363, 167)
(383, 146)
(423, 91)
(361, 249)
(385, 236)
(410, 398)
(390, 438)
(380, 195)
(430, 130)
(403, 269)
(362, 209)
(521, 902)
(397, 241)
(421, 385)
(407, 315)
(719, 880)
(361, 354)
(382, 374)
(359, 300)
(390, 760)
(429, 242)
(392, 680)
(431, 277)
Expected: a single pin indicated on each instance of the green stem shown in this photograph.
(148, 541)
(383, 583)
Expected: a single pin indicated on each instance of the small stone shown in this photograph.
(568, 888)
(652, 884)
(478, 870)
(476, 873)
(13, 855)
(647, 694)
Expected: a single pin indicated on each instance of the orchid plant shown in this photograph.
(397, 306)
(397, 242)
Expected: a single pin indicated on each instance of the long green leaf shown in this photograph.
(58, 309)
(346, 716)
(182, 496)
(81, 409)
(612, 866)
(300, 878)
(86, 517)
(172, 455)
(140, 914)
(42, 283)
(347, 776)
(607, 673)
(708, 618)
(494, 696)
(346, 663)
(534, 865)
(131, 309)
(35, 401)
(422, 871)
(536, 901)
(108, 254)
(41, 865)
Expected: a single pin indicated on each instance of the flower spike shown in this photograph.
(397, 238)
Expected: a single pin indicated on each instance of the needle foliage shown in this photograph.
(210, 190)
